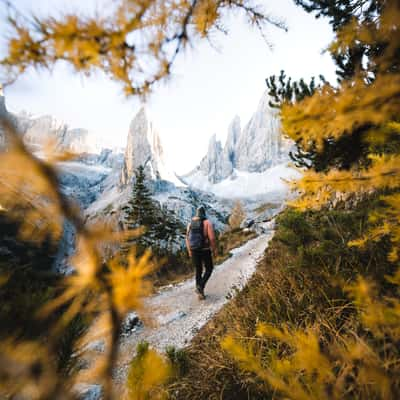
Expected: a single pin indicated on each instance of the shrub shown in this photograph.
(179, 360)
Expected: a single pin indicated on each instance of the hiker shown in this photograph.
(200, 241)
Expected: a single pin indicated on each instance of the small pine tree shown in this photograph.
(140, 211)
(237, 216)
(162, 229)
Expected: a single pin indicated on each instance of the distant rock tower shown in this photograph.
(3, 114)
(143, 148)
(3, 110)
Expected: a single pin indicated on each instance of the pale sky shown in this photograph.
(208, 87)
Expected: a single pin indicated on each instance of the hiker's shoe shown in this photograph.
(200, 293)
(201, 296)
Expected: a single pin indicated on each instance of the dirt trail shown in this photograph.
(176, 310)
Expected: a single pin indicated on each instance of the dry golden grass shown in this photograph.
(230, 240)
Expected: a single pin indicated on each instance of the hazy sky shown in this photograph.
(207, 90)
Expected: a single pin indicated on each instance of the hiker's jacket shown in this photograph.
(209, 235)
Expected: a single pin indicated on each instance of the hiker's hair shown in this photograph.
(201, 212)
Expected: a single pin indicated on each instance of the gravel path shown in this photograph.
(178, 314)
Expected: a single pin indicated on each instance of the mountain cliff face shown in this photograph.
(219, 163)
(255, 148)
(39, 131)
(261, 145)
(3, 114)
(211, 164)
(229, 154)
(144, 148)
(46, 129)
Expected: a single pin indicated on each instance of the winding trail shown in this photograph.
(178, 314)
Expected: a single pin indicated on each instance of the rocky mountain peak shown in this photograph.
(214, 145)
(144, 148)
(259, 145)
(4, 115)
(3, 109)
(233, 133)
(39, 131)
(211, 163)
(228, 161)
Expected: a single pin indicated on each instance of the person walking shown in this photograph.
(201, 246)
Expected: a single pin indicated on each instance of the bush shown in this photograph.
(294, 230)
(179, 360)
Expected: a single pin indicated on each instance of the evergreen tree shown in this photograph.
(340, 14)
(161, 227)
(140, 211)
(282, 89)
(357, 59)
(341, 153)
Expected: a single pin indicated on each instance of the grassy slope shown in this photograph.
(297, 283)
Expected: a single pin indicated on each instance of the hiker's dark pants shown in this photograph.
(202, 258)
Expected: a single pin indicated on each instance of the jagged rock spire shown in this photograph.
(4, 114)
(256, 147)
(144, 147)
